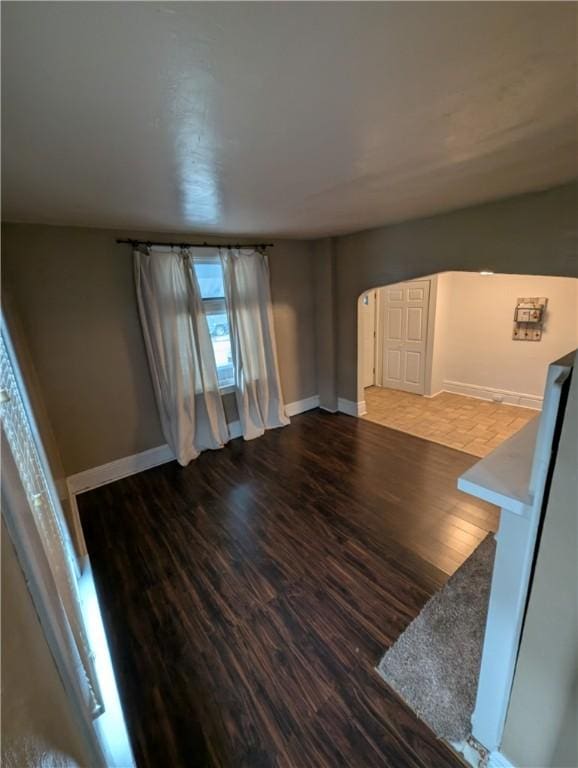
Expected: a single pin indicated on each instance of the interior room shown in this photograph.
(288, 396)
(446, 357)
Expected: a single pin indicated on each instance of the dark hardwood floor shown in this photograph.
(248, 597)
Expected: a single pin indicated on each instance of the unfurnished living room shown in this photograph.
(288, 394)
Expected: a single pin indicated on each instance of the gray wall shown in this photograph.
(542, 721)
(325, 322)
(73, 292)
(530, 234)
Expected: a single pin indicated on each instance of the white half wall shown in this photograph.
(474, 352)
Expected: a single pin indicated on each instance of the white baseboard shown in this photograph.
(139, 462)
(468, 752)
(115, 470)
(490, 393)
(475, 755)
(499, 760)
(300, 406)
(434, 394)
(350, 407)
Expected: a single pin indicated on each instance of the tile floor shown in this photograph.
(465, 423)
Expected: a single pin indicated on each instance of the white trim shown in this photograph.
(300, 406)
(430, 334)
(499, 760)
(76, 524)
(351, 408)
(115, 470)
(139, 462)
(471, 751)
(489, 393)
(45, 598)
(519, 474)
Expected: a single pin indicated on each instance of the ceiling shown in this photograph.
(288, 119)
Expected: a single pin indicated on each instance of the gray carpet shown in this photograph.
(435, 662)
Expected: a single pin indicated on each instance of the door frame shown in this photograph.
(34, 565)
(376, 368)
(359, 406)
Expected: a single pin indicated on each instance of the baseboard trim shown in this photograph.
(116, 470)
(489, 393)
(162, 454)
(470, 752)
(350, 407)
(300, 406)
(499, 760)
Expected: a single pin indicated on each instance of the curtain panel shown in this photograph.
(180, 353)
(254, 352)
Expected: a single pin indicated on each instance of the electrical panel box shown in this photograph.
(529, 319)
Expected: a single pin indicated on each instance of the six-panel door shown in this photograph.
(404, 323)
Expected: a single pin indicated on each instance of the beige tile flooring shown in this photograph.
(465, 423)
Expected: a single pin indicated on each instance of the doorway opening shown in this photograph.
(460, 358)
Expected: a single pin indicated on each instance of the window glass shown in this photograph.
(210, 278)
(219, 330)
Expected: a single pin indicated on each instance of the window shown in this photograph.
(209, 273)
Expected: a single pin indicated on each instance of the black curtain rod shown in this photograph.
(134, 243)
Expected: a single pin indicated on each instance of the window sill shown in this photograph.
(227, 390)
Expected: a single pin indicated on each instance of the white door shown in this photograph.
(368, 329)
(404, 323)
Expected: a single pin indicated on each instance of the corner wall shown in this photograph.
(325, 322)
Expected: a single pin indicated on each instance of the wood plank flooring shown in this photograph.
(248, 597)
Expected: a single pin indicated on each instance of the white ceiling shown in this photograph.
(294, 119)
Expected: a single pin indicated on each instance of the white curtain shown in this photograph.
(257, 386)
(180, 353)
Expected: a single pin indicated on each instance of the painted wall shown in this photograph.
(325, 322)
(473, 345)
(38, 727)
(73, 291)
(529, 234)
(542, 719)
